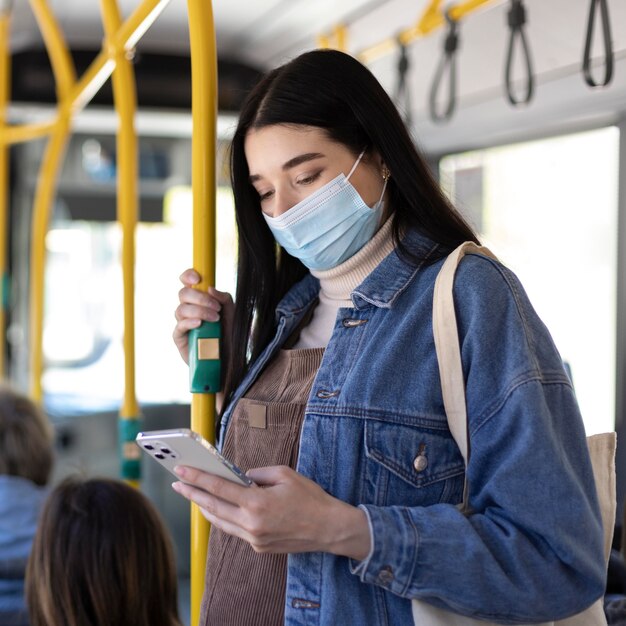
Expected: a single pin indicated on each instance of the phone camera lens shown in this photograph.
(165, 450)
(159, 456)
(147, 446)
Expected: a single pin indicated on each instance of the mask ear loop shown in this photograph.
(355, 164)
(386, 174)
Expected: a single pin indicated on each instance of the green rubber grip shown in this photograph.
(204, 358)
(129, 452)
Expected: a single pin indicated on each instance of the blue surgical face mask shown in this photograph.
(330, 225)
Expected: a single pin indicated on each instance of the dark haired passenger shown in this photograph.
(101, 557)
(332, 398)
(26, 458)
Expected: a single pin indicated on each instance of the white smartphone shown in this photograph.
(181, 446)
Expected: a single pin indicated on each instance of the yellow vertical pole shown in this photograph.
(204, 141)
(125, 100)
(5, 88)
(44, 197)
(64, 74)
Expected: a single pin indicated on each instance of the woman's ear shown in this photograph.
(376, 159)
(380, 164)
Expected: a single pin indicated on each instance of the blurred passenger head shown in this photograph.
(25, 438)
(101, 557)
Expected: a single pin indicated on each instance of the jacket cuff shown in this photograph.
(392, 560)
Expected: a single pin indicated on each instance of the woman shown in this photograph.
(101, 557)
(332, 399)
(26, 459)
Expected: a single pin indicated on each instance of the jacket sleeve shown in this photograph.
(531, 548)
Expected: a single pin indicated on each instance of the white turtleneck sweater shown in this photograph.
(337, 283)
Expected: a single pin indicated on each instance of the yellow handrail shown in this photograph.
(431, 19)
(73, 95)
(44, 196)
(204, 114)
(82, 91)
(5, 88)
(60, 59)
(339, 36)
(65, 77)
(26, 132)
(125, 101)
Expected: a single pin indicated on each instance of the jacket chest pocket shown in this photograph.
(410, 466)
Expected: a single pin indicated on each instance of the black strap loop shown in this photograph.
(402, 88)
(608, 44)
(516, 19)
(447, 61)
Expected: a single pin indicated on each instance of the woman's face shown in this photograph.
(288, 163)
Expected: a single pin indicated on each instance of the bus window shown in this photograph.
(83, 323)
(548, 209)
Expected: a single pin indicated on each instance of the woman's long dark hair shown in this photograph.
(333, 91)
(101, 557)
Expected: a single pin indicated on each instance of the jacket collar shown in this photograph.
(393, 275)
(381, 288)
(299, 297)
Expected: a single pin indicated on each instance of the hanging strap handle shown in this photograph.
(516, 20)
(608, 44)
(449, 352)
(402, 88)
(447, 61)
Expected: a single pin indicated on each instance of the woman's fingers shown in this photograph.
(213, 505)
(189, 295)
(215, 485)
(197, 306)
(190, 277)
(223, 297)
(197, 312)
(271, 475)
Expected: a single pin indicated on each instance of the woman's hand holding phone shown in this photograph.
(288, 514)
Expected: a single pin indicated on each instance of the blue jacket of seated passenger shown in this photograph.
(532, 550)
(20, 503)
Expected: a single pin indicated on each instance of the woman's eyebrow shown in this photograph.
(301, 158)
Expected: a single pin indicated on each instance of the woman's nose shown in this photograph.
(282, 203)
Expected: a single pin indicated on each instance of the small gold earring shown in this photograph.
(386, 173)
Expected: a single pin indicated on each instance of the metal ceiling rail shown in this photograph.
(431, 19)
(338, 39)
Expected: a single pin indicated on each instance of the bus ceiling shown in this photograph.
(506, 51)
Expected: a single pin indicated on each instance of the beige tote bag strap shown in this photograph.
(447, 344)
(602, 454)
(601, 447)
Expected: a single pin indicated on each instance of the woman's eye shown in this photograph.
(307, 180)
(265, 196)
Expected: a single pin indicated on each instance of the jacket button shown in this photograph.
(385, 576)
(420, 462)
(352, 323)
(324, 394)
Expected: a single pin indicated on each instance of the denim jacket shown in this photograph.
(375, 435)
